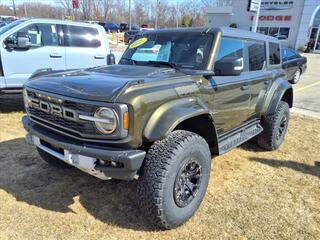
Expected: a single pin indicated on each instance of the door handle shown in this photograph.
(55, 55)
(99, 57)
(245, 87)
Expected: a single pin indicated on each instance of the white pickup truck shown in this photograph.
(28, 45)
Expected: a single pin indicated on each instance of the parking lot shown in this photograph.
(251, 194)
(306, 92)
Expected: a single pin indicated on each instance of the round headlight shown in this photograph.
(108, 122)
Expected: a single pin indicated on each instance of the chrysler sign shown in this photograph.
(276, 5)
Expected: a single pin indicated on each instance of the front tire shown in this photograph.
(296, 77)
(53, 161)
(174, 179)
(275, 127)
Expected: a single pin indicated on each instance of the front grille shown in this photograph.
(76, 127)
(89, 108)
(82, 127)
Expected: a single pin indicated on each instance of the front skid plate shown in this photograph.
(84, 163)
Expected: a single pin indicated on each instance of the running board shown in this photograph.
(11, 91)
(239, 136)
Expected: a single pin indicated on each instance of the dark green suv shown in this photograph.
(177, 98)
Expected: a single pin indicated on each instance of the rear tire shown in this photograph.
(275, 127)
(174, 179)
(53, 161)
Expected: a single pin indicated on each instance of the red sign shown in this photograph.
(278, 18)
(75, 4)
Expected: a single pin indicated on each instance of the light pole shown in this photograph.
(130, 15)
(157, 8)
(14, 8)
(25, 10)
(254, 6)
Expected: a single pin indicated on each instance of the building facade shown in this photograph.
(297, 21)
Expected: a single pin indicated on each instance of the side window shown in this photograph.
(230, 47)
(86, 37)
(293, 54)
(284, 54)
(257, 55)
(33, 32)
(49, 34)
(41, 34)
(274, 53)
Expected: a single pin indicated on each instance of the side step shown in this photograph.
(239, 136)
(11, 91)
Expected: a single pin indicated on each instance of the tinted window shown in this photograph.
(274, 53)
(230, 48)
(257, 55)
(82, 37)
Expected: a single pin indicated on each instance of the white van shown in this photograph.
(27, 45)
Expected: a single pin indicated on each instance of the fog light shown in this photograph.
(110, 164)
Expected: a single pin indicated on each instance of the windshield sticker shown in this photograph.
(138, 42)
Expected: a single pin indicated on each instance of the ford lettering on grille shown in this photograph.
(54, 109)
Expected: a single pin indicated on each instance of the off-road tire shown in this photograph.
(269, 139)
(156, 186)
(56, 162)
(296, 77)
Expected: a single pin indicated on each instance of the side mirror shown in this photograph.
(23, 41)
(229, 66)
(111, 59)
(9, 43)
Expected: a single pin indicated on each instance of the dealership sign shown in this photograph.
(254, 5)
(278, 18)
(276, 5)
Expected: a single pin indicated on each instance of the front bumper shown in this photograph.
(100, 161)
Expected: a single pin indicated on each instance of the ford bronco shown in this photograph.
(177, 98)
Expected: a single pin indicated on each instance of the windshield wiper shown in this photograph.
(134, 62)
(163, 63)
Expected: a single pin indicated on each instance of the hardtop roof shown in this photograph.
(225, 31)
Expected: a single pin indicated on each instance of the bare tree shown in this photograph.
(107, 6)
(67, 5)
(143, 11)
(85, 9)
(211, 3)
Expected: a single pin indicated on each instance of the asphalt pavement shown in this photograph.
(307, 91)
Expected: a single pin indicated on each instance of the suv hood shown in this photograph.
(99, 84)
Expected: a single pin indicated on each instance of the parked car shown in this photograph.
(294, 64)
(130, 35)
(8, 18)
(159, 118)
(29, 45)
(126, 27)
(92, 22)
(111, 27)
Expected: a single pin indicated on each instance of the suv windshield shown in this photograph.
(10, 25)
(179, 50)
